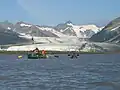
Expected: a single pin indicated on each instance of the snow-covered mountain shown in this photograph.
(110, 33)
(61, 30)
(66, 29)
(33, 30)
(7, 25)
(65, 33)
(7, 36)
(62, 37)
(81, 31)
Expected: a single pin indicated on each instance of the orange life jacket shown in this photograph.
(43, 52)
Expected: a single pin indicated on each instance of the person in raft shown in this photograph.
(36, 50)
(43, 52)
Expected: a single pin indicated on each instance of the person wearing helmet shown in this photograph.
(36, 50)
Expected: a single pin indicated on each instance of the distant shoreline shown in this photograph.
(57, 52)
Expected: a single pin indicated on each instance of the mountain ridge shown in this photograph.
(110, 33)
(67, 29)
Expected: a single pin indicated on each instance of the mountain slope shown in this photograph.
(33, 30)
(9, 37)
(61, 30)
(110, 33)
(81, 31)
(22, 30)
(7, 25)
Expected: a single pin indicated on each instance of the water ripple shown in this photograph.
(61, 74)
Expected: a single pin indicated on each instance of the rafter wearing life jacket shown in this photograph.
(43, 52)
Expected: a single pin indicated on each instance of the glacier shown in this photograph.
(50, 43)
(65, 44)
(48, 47)
(71, 43)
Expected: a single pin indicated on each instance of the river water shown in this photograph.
(87, 72)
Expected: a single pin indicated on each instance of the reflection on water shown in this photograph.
(88, 72)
